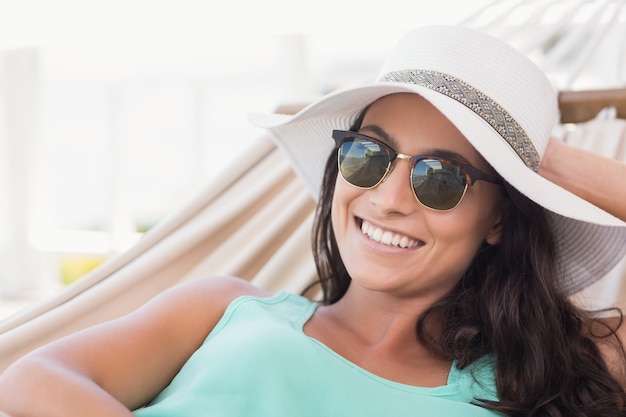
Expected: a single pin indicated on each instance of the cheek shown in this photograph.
(455, 247)
(461, 236)
(482, 212)
(342, 217)
(466, 230)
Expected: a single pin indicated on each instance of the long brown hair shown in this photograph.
(507, 305)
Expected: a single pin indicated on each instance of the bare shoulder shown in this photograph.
(205, 299)
(220, 289)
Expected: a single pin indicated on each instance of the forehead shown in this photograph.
(411, 125)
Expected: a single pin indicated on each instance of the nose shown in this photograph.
(395, 194)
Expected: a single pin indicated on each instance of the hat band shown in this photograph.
(479, 103)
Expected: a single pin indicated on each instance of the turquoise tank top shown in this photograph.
(257, 362)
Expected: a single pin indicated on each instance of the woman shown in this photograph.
(445, 263)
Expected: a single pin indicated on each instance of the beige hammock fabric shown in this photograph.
(253, 222)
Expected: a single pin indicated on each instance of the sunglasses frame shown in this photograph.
(471, 174)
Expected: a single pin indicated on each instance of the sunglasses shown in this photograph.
(437, 183)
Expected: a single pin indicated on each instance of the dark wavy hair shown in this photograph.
(507, 304)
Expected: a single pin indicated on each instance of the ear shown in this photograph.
(495, 234)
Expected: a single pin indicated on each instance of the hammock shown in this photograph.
(254, 221)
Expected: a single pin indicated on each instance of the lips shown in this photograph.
(387, 237)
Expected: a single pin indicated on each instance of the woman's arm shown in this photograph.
(602, 181)
(120, 365)
(596, 178)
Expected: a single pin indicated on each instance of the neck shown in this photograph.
(379, 319)
(378, 332)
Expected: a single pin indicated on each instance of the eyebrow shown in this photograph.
(442, 153)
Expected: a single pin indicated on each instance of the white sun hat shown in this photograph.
(502, 103)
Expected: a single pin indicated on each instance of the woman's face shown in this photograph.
(441, 244)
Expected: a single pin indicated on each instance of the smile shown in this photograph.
(387, 237)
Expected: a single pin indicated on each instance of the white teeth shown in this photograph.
(386, 237)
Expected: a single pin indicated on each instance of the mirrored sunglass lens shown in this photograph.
(362, 163)
(438, 184)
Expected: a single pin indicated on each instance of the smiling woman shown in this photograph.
(470, 270)
(454, 303)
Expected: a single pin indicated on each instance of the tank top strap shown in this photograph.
(292, 308)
